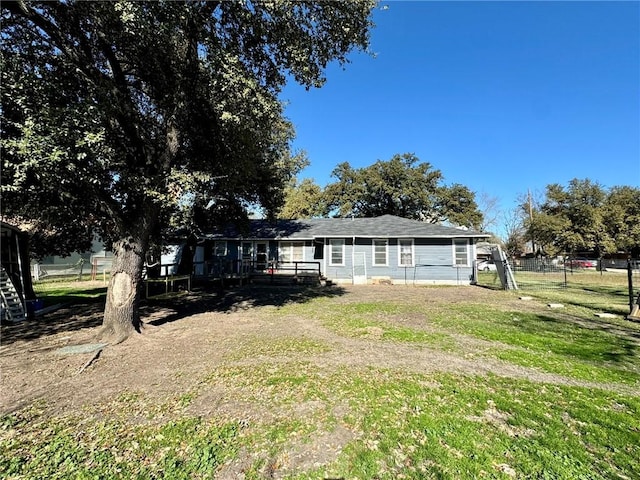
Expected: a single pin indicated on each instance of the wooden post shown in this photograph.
(635, 311)
(630, 283)
(634, 308)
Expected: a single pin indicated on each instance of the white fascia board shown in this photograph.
(401, 236)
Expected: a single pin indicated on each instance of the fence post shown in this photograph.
(630, 282)
(80, 273)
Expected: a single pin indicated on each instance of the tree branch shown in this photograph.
(114, 63)
(80, 55)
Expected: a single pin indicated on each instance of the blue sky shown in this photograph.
(503, 97)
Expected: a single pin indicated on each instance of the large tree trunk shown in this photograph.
(121, 315)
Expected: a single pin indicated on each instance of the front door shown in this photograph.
(262, 256)
(246, 257)
(359, 268)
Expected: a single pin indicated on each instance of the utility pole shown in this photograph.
(531, 228)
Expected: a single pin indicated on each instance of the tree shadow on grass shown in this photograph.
(69, 318)
(61, 295)
(233, 300)
(84, 313)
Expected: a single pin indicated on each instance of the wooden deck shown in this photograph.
(286, 278)
(293, 273)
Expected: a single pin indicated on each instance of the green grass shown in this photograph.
(466, 427)
(404, 426)
(375, 319)
(550, 344)
(585, 349)
(54, 292)
(599, 291)
(398, 424)
(71, 447)
(445, 426)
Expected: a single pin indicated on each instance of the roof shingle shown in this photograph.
(376, 227)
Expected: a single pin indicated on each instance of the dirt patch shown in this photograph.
(500, 420)
(186, 338)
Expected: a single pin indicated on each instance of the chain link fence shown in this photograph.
(622, 276)
(46, 276)
(41, 272)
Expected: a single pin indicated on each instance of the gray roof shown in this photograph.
(377, 227)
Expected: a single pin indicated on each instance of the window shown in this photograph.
(291, 252)
(336, 256)
(220, 249)
(405, 253)
(247, 250)
(461, 252)
(380, 252)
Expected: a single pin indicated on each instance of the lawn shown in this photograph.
(379, 382)
(587, 288)
(57, 291)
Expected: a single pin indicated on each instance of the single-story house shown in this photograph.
(385, 249)
(95, 261)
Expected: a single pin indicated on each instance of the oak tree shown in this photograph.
(303, 199)
(402, 186)
(622, 218)
(121, 117)
(585, 216)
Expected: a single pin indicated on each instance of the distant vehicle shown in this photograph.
(486, 265)
(581, 263)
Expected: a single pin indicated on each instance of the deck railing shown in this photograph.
(297, 268)
(223, 268)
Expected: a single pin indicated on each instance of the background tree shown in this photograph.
(515, 240)
(457, 206)
(401, 186)
(121, 116)
(621, 211)
(489, 206)
(303, 199)
(585, 217)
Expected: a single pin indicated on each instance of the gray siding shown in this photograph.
(434, 262)
(339, 272)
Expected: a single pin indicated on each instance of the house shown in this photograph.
(484, 250)
(95, 261)
(386, 249)
(16, 289)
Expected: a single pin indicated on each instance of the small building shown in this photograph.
(15, 276)
(385, 249)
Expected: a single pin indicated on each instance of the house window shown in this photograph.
(291, 252)
(337, 251)
(381, 252)
(405, 253)
(461, 252)
(220, 249)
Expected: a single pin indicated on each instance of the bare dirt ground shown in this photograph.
(188, 338)
(195, 333)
